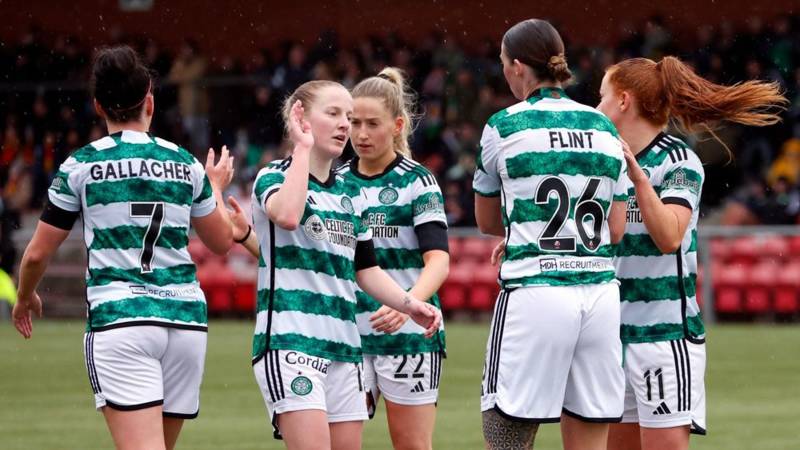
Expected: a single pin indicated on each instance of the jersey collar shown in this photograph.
(650, 146)
(328, 183)
(389, 168)
(547, 92)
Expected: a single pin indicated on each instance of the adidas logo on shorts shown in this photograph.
(662, 409)
(418, 387)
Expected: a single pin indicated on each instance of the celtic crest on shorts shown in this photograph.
(388, 196)
(301, 385)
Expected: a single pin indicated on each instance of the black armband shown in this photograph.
(57, 217)
(432, 236)
(365, 255)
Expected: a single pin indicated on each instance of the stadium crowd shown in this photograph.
(46, 112)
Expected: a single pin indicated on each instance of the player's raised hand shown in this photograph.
(238, 219)
(221, 173)
(635, 172)
(387, 320)
(299, 128)
(21, 314)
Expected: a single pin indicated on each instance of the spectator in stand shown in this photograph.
(188, 71)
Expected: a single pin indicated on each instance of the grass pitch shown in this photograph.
(46, 401)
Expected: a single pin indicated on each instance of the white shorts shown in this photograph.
(403, 379)
(555, 350)
(294, 381)
(142, 366)
(666, 385)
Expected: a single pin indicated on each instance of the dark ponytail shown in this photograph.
(120, 82)
(535, 43)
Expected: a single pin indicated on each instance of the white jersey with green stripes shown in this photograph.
(306, 277)
(137, 194)
(404, 196)
(557, 166)
(658, 290)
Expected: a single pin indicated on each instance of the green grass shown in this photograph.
(46, 401)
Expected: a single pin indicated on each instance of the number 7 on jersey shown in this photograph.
(155, 211)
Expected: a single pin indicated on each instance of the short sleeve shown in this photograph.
(363, 231)
(427, 202)
(487, 178)
(64, 191)
(203, 202)
(683, 180)
(269, 181)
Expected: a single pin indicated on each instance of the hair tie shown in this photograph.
(385, 77)
(556, 61)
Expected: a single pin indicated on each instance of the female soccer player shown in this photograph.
(137, 195)
(550, 180)
(662, 329)
(315, 249)
(404, 209)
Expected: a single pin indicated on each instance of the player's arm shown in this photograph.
(432, 238)
(666, 223)
(285, 207)
(617, 221)
(243, 232)
(52, 229)
(486, 185)
(214, 229)
(380, 286)
(488, 215)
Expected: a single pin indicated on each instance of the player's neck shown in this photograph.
(372, 167)
(114, 127)
(639, 134)
(320, 168)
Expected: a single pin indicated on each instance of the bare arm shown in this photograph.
(286, 206)
(380, 286)
(46, 240)
(617, 220)
(434, 273)
(215, 229)
(243, 232)
(488, 215)
(666, 224)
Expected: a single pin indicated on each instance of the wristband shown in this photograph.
(246, 235)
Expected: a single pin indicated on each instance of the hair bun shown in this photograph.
(557, 65)
(392, 75)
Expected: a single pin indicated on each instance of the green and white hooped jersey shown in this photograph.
(557, 166)
(404, 196)
(658, 290)
(306, 277)
(137, 194)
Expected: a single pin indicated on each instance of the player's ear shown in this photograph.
(625, 101)
(99, 109)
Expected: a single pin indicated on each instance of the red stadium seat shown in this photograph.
(775, 247)
(454, 245)
(244, 297)
(760, 280)
(787, 290)
(728, 280)
(453, 293)
(745, 250)
(720, 249)
(484, 289)
(794, 246)
(475, 249)
(217, 282)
